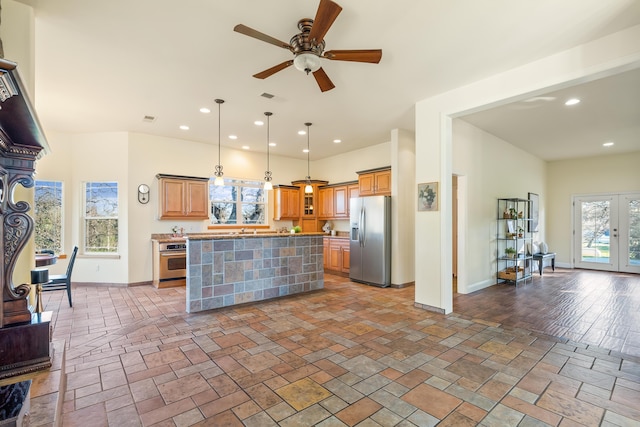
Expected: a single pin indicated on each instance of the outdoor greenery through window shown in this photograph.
(48, 216)
(238, 202)
(101, 217)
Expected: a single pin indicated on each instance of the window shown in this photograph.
(101, 217)
(238, 202)
(48, 216)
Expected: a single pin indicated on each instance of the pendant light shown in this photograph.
(267, 173)
(219, 181)
(308, 188)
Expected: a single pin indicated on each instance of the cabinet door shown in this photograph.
(172, 200)
(353, 190)
(340, 202)
(294, 203)
(335, 255)
(325, 203)
(309, 225)
(197, 199)
(346, 257)
(383, 182)
(366, 184)
(279, 203)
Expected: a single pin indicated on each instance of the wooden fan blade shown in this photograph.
(323, 80)
(327, 12)
(243, 29)
(372, 56)
(271, 71)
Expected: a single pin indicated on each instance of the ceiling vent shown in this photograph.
(267, 95)
(149, 119)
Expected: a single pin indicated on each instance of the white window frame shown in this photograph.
(85, 218)
(239, 183)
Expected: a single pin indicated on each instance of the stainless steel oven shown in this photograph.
(172, 261)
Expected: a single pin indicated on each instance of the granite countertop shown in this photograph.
(168, 238)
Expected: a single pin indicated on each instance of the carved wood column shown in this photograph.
(21, 143)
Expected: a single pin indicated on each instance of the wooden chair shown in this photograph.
(61, 282)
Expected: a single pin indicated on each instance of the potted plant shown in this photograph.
(510, 252)
(513, 213)
(520, 231)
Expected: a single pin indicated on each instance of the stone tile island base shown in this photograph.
(226, 270)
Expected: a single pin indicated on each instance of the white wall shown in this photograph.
(17, 31)
(403, 207)
(608, 55)
(593, 175)
(493, 169)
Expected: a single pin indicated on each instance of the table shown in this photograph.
(541, 257)
(45, 259)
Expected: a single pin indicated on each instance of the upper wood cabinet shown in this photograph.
(183, 197)
(375, 182)
(286, 202)
(333, 200)
(325, 203)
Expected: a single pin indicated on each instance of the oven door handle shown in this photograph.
(173, 254)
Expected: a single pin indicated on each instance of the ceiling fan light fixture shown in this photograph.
(307, 62)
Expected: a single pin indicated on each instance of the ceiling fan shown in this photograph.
(308, 46)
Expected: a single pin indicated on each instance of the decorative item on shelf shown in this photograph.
(143, 193)
(513, 213)
(520, 231)
(520, 215)
(506, 214)
(308, 188)
(267, 174)
(218, 169)
(327, 227)
(510, 252)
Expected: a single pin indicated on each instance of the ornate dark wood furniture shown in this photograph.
(24, 335)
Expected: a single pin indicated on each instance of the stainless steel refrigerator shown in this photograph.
(370, 240)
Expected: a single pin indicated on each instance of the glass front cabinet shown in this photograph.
(513, 241)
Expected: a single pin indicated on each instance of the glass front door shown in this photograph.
(607, 232)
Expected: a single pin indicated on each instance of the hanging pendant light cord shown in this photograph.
(308, 169)
(218, 169)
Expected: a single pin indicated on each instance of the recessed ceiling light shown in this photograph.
(233, 136)
(305, 150)
(572, 101)
(302, 132)
(272, 144)
(607, 144)
(337, 141)
(184, 127)
(205, 110)
(258, 123)
(245, 147)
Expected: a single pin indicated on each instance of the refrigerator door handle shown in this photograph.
(363, 229)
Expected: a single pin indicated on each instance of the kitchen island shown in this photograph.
(229, 269)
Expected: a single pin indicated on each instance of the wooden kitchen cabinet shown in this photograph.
(309, 209)
(286, 202)
(334, 199)
(336, 254)
(183, 197)
(325, 203)
(375, 182)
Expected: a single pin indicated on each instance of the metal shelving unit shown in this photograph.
(512, 234)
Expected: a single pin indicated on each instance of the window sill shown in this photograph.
(99, 256)
(237, 227)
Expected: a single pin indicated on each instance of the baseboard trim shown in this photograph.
(475, 286)
(403, 285)
(429, 308)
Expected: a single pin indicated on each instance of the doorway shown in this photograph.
(607, 232)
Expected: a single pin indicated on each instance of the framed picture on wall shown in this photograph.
(534, 205)
(428, 196)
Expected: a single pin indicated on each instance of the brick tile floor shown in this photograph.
(346, 355)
